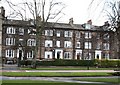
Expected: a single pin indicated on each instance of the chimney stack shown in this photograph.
(89, 22)
(71, 21)
(2, 11)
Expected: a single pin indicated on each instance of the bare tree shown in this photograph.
(114, 19)
(41, 12)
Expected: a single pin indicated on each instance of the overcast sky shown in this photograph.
(80, 10)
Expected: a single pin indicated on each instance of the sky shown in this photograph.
(80, 10)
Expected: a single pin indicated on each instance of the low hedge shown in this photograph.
(60, 62)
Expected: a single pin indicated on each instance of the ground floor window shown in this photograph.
(30, 54)
(48, 54)
(67, 55)
(10, 53)
(87, 56)
(106, 55)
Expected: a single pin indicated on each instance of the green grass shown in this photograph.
(107, 80)
(57, 74)
(67, 68)
(36, 82)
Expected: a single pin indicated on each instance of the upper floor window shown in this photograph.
(87, 26)
(78, 34)
(106, 46)
(106, 36)
(49, 32)
(58, 33)
(10, 30)
(10, 53)
(10, 41)
(88, 35)
(77, 44)
(68, 34)
(67, 44)
(98, 45)
(88, 45)
(58, 43)
(48, 43)
(21, 31)
(31, 42)
(21, 42)
(31, 31)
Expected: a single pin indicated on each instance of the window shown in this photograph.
(78, 34)
(98, 46)
(106, 36)
(31, 42)
(88, 45)
(68, 34)
(106, 46)
(58, 43)
(87, 26)
(30, 54)
(10, 53)
(10, 41)
(48, 54)
(49, 32)
(21, 42)
(21, 31)
(58, 33)
(98, 36)
(87, 56)
(67, 44)
(10, 30)
(67, 55)
(48, 43)
(88, 35)
(31, 31)
(106, 55)
(78, 45)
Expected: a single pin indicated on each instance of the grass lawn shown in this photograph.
(66, 68)
(108, 80)
(55, 74)
(36, 82)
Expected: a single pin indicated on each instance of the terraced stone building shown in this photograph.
(58, 40)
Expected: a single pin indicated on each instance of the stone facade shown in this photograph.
(58, 41)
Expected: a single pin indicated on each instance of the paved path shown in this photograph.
(57, 71)
(57, 79)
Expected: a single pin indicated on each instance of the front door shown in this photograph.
(97, 54)
(58, 54)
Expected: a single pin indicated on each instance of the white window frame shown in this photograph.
(58, 33)
(10, 53)
(48, 43)
(48, 32)
(10, 41)
(58, 43)
(31, 42)
(30, 54)
(88, 45)
(68, 33)
(78, 34)
(67, 44)
(67, 55)
(88, 35)
(106, 46)
(10, 30)
(21, 31)
(78, 45)
(48, 54)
